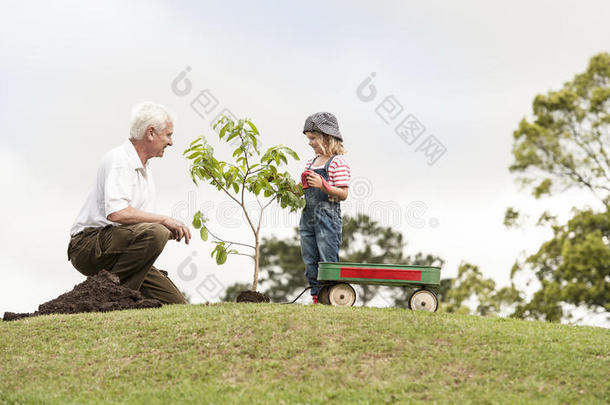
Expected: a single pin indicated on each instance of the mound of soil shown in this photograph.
(252, 296)
(99, 293)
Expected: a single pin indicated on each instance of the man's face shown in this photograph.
(162, 140)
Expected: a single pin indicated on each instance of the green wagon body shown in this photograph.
(379, 274)
(336, 278)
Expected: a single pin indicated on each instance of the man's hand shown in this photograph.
(178, 229)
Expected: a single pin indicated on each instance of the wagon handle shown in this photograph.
(299, 296)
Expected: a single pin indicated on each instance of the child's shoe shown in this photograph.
(314, 298)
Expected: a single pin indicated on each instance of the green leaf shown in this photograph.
(228, 178)
(204, 233)
(511, 218)
(254, 128)
(197, 220)
(236, 187)
(292, 153)
(543, 188)
(223, 131)
(253, 139)
(220, 247)
(231, 136)
(221, 256)
(257, 188)
(202, 174)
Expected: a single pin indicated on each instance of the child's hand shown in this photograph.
(314, 180)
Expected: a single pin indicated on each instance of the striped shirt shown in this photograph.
(338, 171)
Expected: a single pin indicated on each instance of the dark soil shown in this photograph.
(99, 293)
(252, 296)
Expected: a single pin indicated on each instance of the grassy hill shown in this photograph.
(270, 353)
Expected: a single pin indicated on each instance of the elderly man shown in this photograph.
(116, 229)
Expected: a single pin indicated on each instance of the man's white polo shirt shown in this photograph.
(122, 180)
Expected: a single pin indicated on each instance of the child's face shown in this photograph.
(314, 142)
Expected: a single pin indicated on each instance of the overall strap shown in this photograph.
(312, 161)
(328, 163)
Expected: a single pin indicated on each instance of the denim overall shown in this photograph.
(320, 229)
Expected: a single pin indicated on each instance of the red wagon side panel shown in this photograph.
(379, 274)
(388, 274)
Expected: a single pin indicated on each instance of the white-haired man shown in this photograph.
(116, 229)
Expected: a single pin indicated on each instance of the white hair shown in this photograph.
(148, 114)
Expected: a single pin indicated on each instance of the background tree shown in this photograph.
(573, 267)
(565, 146)
(566, 143)
(471, 287)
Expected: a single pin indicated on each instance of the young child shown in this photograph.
(325, 181)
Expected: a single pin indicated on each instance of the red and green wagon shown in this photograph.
(336, 279)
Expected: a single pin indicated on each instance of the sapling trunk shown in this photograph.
(255, 282)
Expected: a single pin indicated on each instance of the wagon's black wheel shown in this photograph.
(423, 300)
(323, 295)
(342, 295)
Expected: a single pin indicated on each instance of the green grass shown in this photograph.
(270, 353)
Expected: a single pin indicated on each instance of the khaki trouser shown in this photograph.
(128, 251)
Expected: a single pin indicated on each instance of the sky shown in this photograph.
(466, 72)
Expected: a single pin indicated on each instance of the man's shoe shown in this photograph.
(314, 298)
